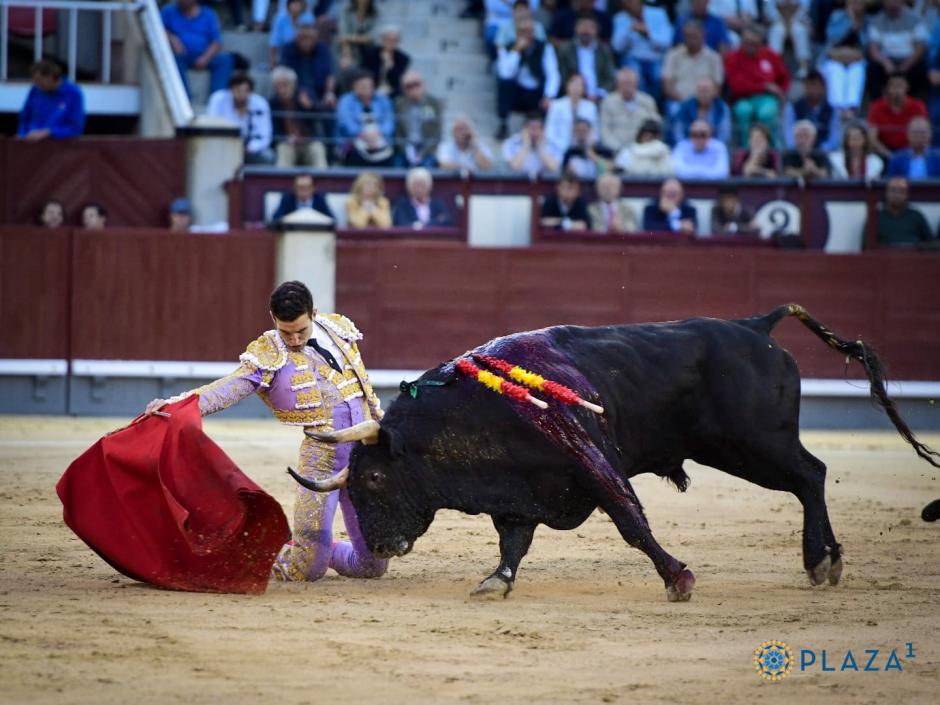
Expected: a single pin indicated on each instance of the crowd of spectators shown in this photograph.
(595, 72)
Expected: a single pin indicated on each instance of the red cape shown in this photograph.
(163, 504)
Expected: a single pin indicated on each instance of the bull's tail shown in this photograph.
(873, 369)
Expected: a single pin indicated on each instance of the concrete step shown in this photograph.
(438, 10)
(252, 45)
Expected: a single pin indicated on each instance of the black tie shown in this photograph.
(325, 354)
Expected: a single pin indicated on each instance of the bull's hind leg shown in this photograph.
(514, 540)
(822, 554)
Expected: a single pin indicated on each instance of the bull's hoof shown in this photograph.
(492, 588)
(835, 573)
(681, 588)
(818, 575)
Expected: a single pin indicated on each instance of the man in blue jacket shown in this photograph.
(196, 40)
(919, 160)
(54, 107)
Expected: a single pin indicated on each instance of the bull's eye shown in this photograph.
(376, 480)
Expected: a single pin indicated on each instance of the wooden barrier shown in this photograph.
(139, 294)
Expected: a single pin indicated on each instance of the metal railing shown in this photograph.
(72, 7)
(151, 27)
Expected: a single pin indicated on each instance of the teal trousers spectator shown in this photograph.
(763, 108)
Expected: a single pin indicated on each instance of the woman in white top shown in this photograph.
(855, 160)
(559, 122)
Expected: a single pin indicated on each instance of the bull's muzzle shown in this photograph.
(330, 484)
(367, 432)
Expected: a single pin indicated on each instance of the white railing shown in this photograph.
(151, 27)
(72, 7)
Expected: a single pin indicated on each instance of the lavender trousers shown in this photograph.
(312, 549)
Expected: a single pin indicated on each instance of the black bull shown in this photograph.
(721, 393)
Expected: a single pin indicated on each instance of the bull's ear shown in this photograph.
(392, 440)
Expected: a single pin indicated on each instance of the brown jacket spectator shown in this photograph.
(418, 118)
(624, 111)
(599, 82)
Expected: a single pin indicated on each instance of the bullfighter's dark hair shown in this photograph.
(291, 300)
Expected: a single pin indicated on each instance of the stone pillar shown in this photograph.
(306, 251)
(214, 154)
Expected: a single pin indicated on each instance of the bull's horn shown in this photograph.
(336, 482)
(367, 432)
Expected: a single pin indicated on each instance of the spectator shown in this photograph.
(387, 62)
(419, 209)
(689, 63)
(805, 161)
(51, 215)
(919, 161)
(565, 19)
(899, 225)
(304, 195)
(292, 125)
(506, 30)
(361, 107)
(529, 151)
(367, 206)
(642, 34)
(889, 115)
(194, 34)
(181, 215)
(844, 56)
(54, 106)
(464, 151)
(500, 13)
(814, 107)
(610, 213)
(934, 94)
(700, 156)
(790, 20)
(241, 105)
(418, 121)
(589, 58)
(729, 215)
(565, 209)
(704, 105)
(855, 160)
(311, 61)
(586, 158)
(564, 111)
(624, 111)
(527, 74)
(670, 213)
(357, 23)
(716, 31)
(284, 28)
(94, 216)
(757, 83)
(739, 14)
(897, 44)
(759, 160)
(648, 156)
(370, 149)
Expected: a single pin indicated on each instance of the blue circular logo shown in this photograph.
(773, 660)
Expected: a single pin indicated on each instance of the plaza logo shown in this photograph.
(774, 660)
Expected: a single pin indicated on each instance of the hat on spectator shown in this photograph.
(181, 205)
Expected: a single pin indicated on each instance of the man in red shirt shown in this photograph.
(888, 117)
(758, 83)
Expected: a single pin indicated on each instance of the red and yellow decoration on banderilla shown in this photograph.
(532, 380)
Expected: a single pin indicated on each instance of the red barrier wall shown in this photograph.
(34, 298)
(419, 304)
(133, 178)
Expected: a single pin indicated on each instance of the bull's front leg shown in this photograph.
(514, 541)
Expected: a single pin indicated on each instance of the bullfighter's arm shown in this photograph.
(226, 391)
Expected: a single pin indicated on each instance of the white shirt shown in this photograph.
(588, 71)
(255, 122)
(509, 67)
(326, 342)
(559, 122)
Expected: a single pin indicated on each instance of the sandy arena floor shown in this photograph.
(588, 621)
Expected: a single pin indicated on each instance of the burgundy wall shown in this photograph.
(422, 303)
(134, 179)
(149, 294)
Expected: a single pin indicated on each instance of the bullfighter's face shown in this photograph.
(296, 333)
(390, 513)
